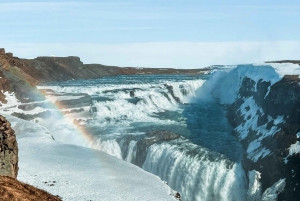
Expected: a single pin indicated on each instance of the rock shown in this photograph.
(162, 135)
(281, 99)
(79, 100)
(131, 93)
(9, 54)
(151, 138)
(8, 150)
(170, 90)
(12, 189)
(2, 51)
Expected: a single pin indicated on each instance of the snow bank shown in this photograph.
(78, 173)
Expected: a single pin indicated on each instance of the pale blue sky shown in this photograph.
(173, 33)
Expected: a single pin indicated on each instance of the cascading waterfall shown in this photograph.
(199, 175)
(127, 107)
(131, 152)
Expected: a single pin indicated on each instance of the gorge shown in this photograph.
(223, 132)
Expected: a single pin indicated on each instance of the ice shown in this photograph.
(78, 173)
(295, 148)
(249, 110)
(11, 99)
(54, 98)
(255, 188)
(271, 193)
(283, 69)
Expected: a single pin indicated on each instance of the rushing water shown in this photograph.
(203, 164)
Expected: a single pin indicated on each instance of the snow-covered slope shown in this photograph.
(78, 173)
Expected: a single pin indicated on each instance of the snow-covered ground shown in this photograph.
(78, 173)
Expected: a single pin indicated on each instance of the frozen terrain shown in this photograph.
(78, 173)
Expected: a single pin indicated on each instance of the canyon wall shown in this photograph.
(266, 118)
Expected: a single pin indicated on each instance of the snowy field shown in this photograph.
(78, 173)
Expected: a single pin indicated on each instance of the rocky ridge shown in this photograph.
(21, 76)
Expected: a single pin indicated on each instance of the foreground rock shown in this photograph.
(13, 190)
(8, 149)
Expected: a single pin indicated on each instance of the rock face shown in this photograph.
(267, 120)
(152, 137)
(8, 150)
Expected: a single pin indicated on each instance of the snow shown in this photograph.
(283, 69)
(11, 99)
(295, 148)
(271, 193)
(249, 111)
(255, 188)
(53, 98)
(78, 173)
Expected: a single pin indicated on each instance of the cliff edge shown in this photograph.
(266, 118)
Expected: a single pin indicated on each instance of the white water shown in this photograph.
(196, 177)
(197, 173)
(131, 151)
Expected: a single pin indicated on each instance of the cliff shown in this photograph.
(8, 149)
(266, 118)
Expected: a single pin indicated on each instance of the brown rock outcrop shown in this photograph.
(8, 150)
(13, 190)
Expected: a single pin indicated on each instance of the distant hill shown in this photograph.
(22, 75)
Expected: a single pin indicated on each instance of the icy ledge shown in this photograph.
(78, 173)
(255, 188)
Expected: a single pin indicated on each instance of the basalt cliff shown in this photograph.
(266, 118)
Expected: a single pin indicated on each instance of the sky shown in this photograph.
(156, 33)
